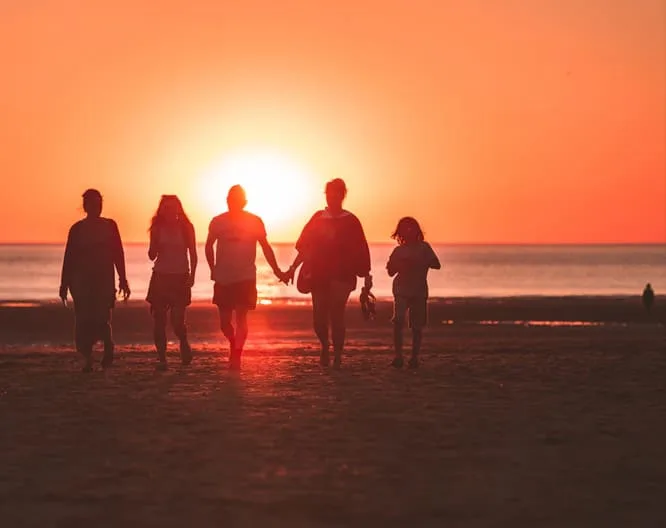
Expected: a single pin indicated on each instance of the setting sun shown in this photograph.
(278, 189)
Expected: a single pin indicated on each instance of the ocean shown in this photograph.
(32, 272)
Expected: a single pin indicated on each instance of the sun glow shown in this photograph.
(278, 189)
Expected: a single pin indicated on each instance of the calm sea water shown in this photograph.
(32, 272)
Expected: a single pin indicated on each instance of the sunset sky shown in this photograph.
(529, 121)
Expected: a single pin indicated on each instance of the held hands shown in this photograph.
(368, 282)
(290, 275)
(283, 276)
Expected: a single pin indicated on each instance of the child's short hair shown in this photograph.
(404, 224)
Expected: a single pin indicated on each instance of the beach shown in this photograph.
(527, 412)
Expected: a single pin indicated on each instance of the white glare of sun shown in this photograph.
(277, 188)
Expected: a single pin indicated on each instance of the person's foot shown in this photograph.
(107, 358)
(107, 361)
(337, 361)
(161, 366)
(87, 365)
(235, 360)
(185, 352)
(324, 358)
(398, 362)
(413, 362)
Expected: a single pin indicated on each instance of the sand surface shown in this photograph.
(503, 425)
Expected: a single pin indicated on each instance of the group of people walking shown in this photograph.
(332, 253)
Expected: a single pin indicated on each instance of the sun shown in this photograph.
(278, 188)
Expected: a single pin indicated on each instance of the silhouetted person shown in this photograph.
(172, 239)
(409, 263)
(93, 250)
(334, 252)
(232, 266)
(648, 297)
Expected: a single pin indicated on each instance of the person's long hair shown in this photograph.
(403, 226)
(183, 221)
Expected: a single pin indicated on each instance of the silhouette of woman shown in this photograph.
(171, 239)
(334, 252)
(93, 250)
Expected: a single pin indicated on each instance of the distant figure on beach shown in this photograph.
(172, 239)
(409, 264)
(93, 250)
(232, 266)
(648, 297)
(333, 251)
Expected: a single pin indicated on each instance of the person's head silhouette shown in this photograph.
(92, 203)
(407, 231)
(236, 199)
(336, 192)
(170, 207)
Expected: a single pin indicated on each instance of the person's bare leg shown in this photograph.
(83, 339)
(241, 338)
(398, 328)
(159, 334)
(338, 304)
(320, 317)
(241, 328)
(417, 336)
(107, 339)
(226, 327)
(180, 329)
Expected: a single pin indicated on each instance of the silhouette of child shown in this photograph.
(409, 264)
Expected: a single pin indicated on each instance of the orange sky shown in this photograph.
(490, 121)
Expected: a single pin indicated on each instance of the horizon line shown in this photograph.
(390, 243)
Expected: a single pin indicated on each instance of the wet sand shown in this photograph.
(504, 424)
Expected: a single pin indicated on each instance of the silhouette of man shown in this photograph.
(648, 297)
(93, 253)
(232, 267)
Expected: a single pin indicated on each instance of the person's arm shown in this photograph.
(67, 265)
(119, 262)
(270, 258)
(192, 249)
(302, 244)
(364, 263)
(210, 252)
(392, 265)
(152, 248)
(433, 261)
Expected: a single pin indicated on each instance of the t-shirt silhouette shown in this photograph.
(412, 262)
(93, 248)
(334, 248)
(171, 244)
(236, 235)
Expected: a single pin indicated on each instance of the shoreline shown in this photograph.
(27, 322)
(282, 301)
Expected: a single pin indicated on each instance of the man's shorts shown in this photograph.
(237, 295)
(418, 310)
